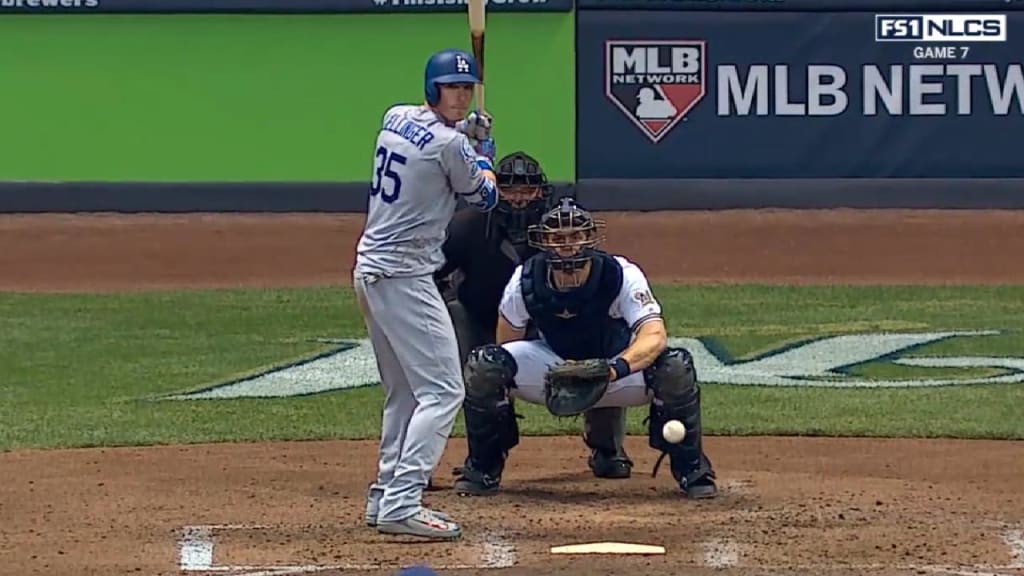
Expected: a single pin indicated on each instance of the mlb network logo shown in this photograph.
(940, 28)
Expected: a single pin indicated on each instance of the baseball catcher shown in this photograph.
(482, 251)
(602, 344)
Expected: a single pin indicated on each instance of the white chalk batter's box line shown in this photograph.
(196, 547)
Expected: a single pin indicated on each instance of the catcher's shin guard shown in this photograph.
(491, 427)
(491, 433)
(604, 431)
(677, 397)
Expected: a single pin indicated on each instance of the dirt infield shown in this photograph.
(789, 505)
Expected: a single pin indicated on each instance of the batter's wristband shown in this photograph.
(621, 368)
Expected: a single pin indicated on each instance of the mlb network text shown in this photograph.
(896, 90)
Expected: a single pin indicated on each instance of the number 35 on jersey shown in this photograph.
(387, 179)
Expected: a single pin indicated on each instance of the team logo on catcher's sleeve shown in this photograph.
(643, 297)
(657, 82)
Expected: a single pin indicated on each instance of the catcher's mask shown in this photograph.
(523, 192)
(569, 235)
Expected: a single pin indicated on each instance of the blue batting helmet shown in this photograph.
(448, 67)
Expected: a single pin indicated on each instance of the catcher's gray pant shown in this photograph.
(418, 359)
(534, 357)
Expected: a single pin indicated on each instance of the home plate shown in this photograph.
(607, 548)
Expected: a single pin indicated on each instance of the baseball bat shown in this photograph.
(477, 22)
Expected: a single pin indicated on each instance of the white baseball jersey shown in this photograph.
(420, 167)
(635, 303)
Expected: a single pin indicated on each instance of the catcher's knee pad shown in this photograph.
(673, 379)
(489, 371)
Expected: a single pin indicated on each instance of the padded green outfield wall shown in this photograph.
(257, 97)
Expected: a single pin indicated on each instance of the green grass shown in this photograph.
(81, 370)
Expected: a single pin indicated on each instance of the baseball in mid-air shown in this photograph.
(674, 431)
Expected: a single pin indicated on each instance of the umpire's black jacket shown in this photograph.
(478, 246)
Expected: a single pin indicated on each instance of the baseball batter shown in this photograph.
(596, 311)
(425, 157)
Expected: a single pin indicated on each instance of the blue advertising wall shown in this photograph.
(800, 103)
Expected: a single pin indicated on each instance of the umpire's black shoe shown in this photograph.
(472, 482)
(605, 465)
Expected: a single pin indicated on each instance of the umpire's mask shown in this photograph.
(523, 193)
(569, 235)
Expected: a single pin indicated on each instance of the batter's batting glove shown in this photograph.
(477, 126)
(486, 148)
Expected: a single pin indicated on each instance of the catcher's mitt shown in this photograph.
(575, 385)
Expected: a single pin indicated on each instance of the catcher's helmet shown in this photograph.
(450, 66)
(569, 235)
(523, 194)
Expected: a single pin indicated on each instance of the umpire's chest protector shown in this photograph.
(576, 324)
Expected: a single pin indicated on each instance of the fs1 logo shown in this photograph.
(940, 28)
(655, 83)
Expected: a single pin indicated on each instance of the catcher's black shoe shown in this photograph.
(605, 465)
(699, 483)
(472, 482)
(604, 430)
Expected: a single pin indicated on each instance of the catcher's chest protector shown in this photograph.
(576, 323)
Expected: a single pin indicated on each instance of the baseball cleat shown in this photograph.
(604, 466)
(425, 523)
(372, 520)
(700, 491)
(472, 482)
(373, 509)
(470, 488)
(699, 486)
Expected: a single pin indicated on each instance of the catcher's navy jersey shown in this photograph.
(596, 320)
